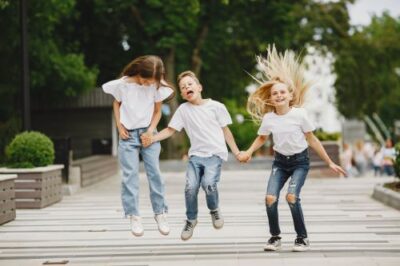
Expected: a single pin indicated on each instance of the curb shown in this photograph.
(386, 196)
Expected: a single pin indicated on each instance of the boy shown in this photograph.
(205, 122)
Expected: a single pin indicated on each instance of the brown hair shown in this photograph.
(148, 66)
(187, 74)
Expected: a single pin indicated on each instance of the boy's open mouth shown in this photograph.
(189, 93)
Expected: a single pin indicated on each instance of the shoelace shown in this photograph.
(162, 219)
(188, 226)
(216, 215)
(273, 239)
(299, 241)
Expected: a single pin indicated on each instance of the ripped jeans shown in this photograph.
(204, 172)
(296, 167)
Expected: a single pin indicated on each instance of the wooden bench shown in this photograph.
(96, 168)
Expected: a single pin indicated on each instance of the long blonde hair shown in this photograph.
(285, 68)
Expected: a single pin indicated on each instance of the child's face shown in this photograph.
(280, 95)
(190, 89)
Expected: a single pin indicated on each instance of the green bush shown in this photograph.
(30, 149)
(322, 135)
(397, 160)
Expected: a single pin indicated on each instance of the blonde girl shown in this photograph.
(277, 104)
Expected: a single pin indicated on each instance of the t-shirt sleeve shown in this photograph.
(176, 121)
(223, 116)
(306, 125)
(162, 93)
(264, 129)
(114, 87)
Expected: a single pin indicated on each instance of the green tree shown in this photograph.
(216, 39)
(57, 68)
(368, 71)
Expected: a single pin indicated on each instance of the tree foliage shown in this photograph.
(368, 71)
(218, 39)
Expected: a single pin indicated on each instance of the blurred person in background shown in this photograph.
(389, 155)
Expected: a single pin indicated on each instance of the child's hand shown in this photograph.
(147, 139)
(123, 132)
(244, 156)
(337, 169)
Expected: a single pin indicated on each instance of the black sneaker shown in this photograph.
(273, 244)
(301, 244)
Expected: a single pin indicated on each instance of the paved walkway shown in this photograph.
(346, 227)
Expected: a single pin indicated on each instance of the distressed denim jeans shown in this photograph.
(284, 167)
(204, 172)
(128, 152)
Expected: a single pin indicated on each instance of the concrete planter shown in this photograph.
(387, 196)
(318, 166)
(7, 198)
(36, 187)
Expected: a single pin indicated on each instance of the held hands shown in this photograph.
(147, 139)
(337, 168)
(243, 156)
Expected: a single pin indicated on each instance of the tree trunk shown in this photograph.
(196, 58)
(176, 142)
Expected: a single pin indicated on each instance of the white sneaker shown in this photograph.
(187, 231)
(273, 244)
(162, 223)
(301, 244)
(136, 226)
(217, 219)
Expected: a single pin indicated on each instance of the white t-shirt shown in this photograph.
(137, 101)
(203, 125)
(287, 130)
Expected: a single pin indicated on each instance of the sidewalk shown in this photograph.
(346, 227)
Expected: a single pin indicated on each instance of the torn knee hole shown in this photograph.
(269, 200)
(291, 198)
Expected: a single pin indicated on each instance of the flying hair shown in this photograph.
(286, 68)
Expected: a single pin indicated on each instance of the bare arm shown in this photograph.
(148, 139)
(123, 133)
(155, 118)
(257, 143)
(316, 145)
(230, 140)
(163, 134)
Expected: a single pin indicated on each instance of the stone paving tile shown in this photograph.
(346, 227)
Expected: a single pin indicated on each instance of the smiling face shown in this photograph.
(280, 95)
(190, 89)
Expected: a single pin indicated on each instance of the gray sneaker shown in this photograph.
(187, 231)
(273, 244)
(217, 219)
(301, 244)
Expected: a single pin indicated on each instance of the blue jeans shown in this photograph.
(204, 172)
(128, 152)
(295, 166)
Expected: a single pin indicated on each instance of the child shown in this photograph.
(389, 157)
(377, 161)
(137, 109)
(274, 102)
(205, 122)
